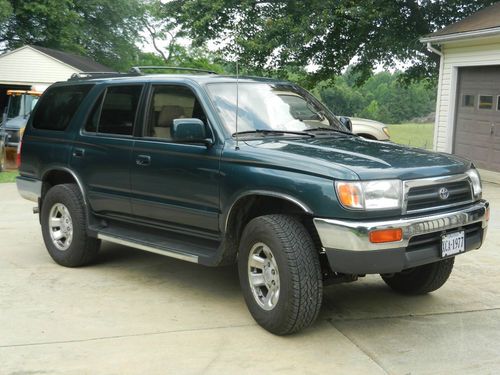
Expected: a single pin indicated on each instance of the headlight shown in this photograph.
(476, 182)
(369, 195)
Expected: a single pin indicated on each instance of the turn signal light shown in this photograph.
(487, 214)
(350, 195)
(386, 235)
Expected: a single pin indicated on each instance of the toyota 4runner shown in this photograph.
(218, 170)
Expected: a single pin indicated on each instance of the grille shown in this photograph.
(427, 197)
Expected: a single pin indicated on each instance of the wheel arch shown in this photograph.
(61, 175)
(257, 203)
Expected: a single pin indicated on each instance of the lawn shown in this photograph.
(8, 176)
(416, 135)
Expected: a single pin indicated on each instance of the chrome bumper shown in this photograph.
(29, 188)
(353, 235)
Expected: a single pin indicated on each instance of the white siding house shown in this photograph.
(33, 67)
(468, 98)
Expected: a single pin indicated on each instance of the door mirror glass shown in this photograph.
(346, 121)
(189, 130)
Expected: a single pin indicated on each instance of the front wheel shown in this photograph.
(421, 280)
(280, 274)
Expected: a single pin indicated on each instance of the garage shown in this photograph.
(477, 133)
(468, 107)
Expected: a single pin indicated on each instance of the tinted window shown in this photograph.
(93, 119)
(58, 105)
(169, 103)
(485, 102)
(117, 114)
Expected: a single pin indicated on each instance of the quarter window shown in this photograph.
(485, 101)
(58, 106)
(467, 100)
(115, 111)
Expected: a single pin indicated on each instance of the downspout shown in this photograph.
(434, 50)
(438, 100)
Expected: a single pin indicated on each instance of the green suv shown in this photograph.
(217, 170)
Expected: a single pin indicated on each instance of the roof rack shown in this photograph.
(139, 69)
(91, 75)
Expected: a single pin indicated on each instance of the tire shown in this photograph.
(75, 248)
(298, 273)
(421, 280)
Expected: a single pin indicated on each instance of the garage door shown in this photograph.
(477, 130)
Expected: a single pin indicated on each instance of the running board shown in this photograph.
(151, 249)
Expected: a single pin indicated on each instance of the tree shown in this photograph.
(327, 34)
(5, 10)
(106, 30)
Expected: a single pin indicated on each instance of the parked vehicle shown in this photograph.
(216, 171)
(15, 117)
(370, 129)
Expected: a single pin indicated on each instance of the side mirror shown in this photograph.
(346, 121)
(190, 130)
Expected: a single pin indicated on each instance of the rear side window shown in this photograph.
(58, 105)
(115, 111)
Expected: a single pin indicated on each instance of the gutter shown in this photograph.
(459, 36)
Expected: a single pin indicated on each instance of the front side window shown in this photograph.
(270, 106)
(115, 111)
(58, 105)
(170, 102)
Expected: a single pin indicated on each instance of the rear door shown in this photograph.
(102, 152)
(175, 184)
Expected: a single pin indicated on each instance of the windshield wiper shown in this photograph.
(325, 128)
(267, 131)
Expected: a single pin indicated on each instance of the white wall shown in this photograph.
(29, 66)
(475, 52)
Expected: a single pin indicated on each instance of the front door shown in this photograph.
(102, 153)
(175, 184)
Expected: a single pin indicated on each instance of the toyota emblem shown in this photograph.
(444, 193)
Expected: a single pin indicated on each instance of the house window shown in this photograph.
(485, 101)
(467, 100)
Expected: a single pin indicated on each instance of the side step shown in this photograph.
(174, 245)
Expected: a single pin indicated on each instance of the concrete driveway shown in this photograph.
(142, 313)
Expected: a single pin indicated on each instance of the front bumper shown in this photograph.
(349, 249)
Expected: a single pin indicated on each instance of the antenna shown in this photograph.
(237, 102)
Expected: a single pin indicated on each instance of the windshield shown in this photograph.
(270, 106)
(21, 105)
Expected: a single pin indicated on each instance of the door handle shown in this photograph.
(78, 152)
(143, 160)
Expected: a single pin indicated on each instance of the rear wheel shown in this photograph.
(280, 274)
(64, 228)
(421, 280)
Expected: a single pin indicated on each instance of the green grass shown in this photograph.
(8, 176)
(415, 135)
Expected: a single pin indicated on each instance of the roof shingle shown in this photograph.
(83, 63)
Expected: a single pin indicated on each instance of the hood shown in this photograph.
(367, 122)
(368, 159)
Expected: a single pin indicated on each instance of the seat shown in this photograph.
(166, 118)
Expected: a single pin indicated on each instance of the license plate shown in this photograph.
(452, 243)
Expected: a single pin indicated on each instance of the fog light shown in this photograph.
(386, 235)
